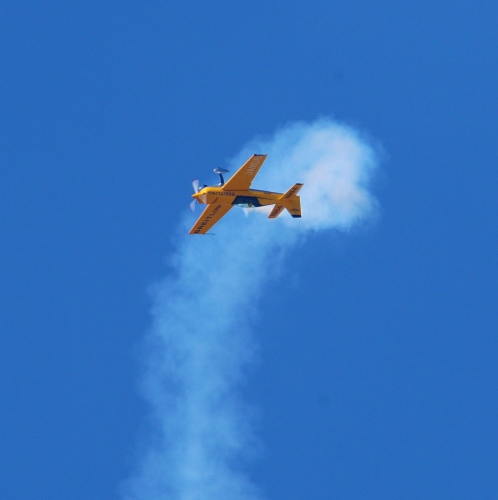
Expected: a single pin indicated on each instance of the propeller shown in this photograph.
(197, 188)
(195, 185)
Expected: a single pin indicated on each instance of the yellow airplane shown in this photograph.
(236, 192)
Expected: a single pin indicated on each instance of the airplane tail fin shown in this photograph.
(290, 201)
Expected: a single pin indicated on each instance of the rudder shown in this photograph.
(294, 207)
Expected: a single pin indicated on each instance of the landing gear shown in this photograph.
(220, 172)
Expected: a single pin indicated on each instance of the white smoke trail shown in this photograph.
(201, 342)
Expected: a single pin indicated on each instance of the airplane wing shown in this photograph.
(242, 179)
(209, 217)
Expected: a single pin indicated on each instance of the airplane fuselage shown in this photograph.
(246, 198)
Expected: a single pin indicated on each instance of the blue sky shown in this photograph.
(375, 366)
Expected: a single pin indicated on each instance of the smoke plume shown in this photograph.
(201, 343)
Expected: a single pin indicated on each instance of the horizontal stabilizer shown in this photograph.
(277, 210)
(290, 201)
(292, 192)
